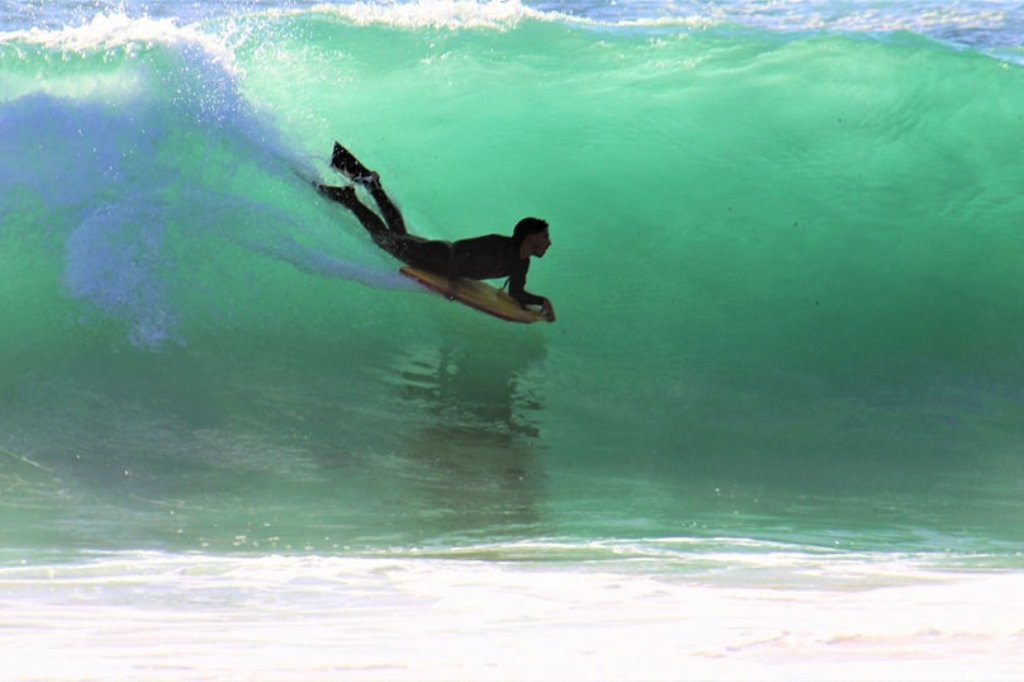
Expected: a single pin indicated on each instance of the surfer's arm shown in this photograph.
(525, 298)
(517, 286)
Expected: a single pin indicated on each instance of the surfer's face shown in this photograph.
(538, 243)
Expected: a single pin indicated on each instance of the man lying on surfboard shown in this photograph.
(488, 257)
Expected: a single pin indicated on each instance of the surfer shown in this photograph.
(488, 257)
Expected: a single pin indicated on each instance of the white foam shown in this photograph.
(929, 18)
(109, 32)
(115, 30)
(169, 617)
(448, 14)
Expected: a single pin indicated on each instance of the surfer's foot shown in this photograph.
(345, 163)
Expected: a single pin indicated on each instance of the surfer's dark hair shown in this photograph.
(526, 227)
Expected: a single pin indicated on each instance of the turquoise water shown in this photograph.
(787, 268)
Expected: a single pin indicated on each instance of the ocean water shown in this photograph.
(777, 431)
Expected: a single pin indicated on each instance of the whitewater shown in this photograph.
(775, 433)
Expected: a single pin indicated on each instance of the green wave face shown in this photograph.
(787, 270)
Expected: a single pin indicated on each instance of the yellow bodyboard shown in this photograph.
(475, 294)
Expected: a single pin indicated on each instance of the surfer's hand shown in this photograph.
(547, 310)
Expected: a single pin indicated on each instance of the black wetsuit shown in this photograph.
(490, 257)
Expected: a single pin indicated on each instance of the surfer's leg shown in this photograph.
(347, 164)
(392, 216)
(346, 196)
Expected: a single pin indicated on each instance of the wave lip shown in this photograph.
(931, 18)
(980, 25)
(443, 14)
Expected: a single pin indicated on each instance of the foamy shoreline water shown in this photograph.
(169, 617)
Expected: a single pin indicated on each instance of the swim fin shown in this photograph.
(344, 162)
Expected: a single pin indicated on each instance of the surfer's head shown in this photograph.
(531, 235)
